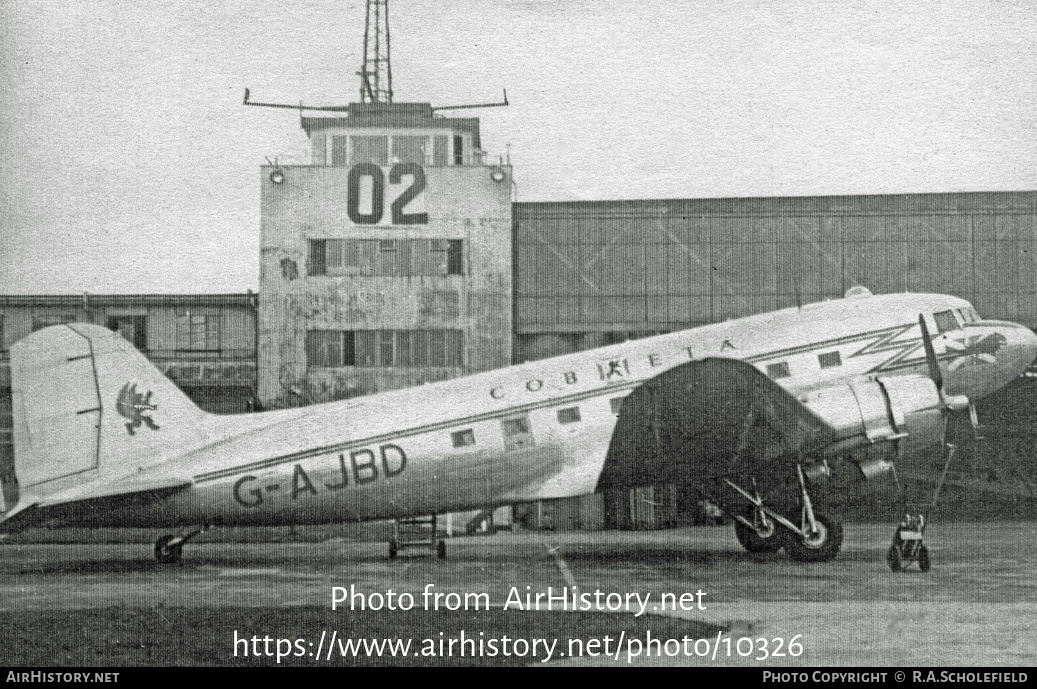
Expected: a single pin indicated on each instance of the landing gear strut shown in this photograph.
(753, 542)
(169, 548)
(818, 538)
(820, 543)
(756, 532)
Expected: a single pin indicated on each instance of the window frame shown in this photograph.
(186, 337)
(569, 415)
(940, 319)
(463, 438)
(830, 362)
(414, 348)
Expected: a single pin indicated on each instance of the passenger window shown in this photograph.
(463, 438)
(516, 426)
(829, 359)
(779, 370)
(569, 415)
(517, 434)
(945, 321)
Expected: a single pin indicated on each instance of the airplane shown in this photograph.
(751, 414)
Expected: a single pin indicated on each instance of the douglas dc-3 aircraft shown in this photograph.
(749, 413)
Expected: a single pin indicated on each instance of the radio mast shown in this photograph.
(376, 72)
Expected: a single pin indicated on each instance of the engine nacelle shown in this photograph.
(878, 421)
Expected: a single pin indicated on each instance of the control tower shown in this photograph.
(387, 261)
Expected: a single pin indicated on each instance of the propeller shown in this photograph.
(954, 403)
(950, 403)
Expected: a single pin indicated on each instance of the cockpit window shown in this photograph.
(968, 315)
(946, 321)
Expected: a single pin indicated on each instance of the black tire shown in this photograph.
(754, 543)
(893, 558)
(394, 549)
(822, 547)
(165, 553)
(923, 558)
(441, 550)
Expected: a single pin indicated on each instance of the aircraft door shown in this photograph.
(518, 434)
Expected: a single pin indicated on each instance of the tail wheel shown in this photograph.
(820, 546)
(893, 558)
(923, 558)
(441, 550)
(394, 549)
(166, 553)
(754, 542)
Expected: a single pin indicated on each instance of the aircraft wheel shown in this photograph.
(441, 550)
(394, 549)
(923, 558)
(166, 553)
(893, 558)
(821, 546)
(754, 543)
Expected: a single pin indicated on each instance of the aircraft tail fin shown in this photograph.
(87, 405)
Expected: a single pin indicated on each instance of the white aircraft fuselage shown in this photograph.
(533, 431)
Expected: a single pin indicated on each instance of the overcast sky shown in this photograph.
(131, 165)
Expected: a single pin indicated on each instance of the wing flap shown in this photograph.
(704, 419)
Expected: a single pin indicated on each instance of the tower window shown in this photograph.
(386, 257)
(409, 149)
(373, 348)
(440, 154)
(370, 149)
(340, 151)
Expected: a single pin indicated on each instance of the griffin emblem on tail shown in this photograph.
(132, 405)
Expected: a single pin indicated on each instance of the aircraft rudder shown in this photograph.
(85, 401)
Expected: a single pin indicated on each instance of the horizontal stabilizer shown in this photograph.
(92, 497)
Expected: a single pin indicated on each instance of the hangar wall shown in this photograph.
(595, 272)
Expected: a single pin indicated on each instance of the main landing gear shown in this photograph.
(817, 538)
(169, 548)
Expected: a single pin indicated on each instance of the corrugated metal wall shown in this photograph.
(669, 264)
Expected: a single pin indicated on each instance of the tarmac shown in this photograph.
(977, 605)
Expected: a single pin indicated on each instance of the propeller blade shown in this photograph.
(977, 427)
(930, 355)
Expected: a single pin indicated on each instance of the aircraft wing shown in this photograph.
(706, 419)
(103, 494)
